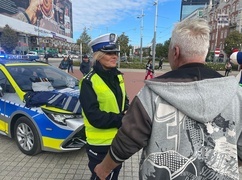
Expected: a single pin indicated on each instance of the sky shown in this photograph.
(121, 16)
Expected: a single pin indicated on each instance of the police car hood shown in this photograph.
(66, 99)
(201, 100)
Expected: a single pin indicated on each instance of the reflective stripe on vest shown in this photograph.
(107, 102)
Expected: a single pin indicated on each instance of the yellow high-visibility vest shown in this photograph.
(107, 102)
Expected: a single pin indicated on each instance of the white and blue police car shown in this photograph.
(39, 106)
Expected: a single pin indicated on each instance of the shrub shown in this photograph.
(135, 64)
(220, 66)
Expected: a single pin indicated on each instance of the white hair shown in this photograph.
(192, 37)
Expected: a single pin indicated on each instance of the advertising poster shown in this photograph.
(55, 16)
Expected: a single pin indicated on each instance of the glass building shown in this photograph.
(188, 6)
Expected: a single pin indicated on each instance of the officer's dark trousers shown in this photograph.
(95, 155)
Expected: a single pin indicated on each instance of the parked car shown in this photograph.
(52, 55)
(33, 55)
(74, 56)
(59, 55)
(39, 107)
(41, 56)
(123, 58)
(65, 55)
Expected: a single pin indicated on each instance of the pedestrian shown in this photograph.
(149, 70)
(236, 58)
(186, 130)
(104, 101)
(70, 63)
(85, 65)
(160, 63)
(64, 64)
(228, 68)
(46, 57)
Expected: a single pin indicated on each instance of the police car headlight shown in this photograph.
(61, 118)
(57, 118)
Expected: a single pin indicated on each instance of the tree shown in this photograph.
(130, 49)
(232, 41)
(9, 39)
(123, 41)
(162, 49)
(84, 39)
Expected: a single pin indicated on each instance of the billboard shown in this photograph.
(48, 18)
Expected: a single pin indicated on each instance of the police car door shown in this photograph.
(9, 101)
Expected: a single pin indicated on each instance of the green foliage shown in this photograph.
(138, 65)
(76, 63)
(219, 66)
(233, 40)
(134, 65)
(84, 39)
(210, 57)
(123, 41)
(162, 49)
(9, 39)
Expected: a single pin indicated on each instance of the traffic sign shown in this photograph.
(217, 52)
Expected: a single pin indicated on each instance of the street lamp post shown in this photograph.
(119, 56)
(80, 51)
(141, 34)
(38, 44)
(154, 39)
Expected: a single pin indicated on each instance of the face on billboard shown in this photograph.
(47, 8)
(52, 15)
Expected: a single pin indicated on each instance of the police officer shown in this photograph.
(104, 101)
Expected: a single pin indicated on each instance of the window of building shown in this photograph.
(225, 33)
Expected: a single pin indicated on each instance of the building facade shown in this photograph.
(40, 27)
(223, 16)
(189, 6)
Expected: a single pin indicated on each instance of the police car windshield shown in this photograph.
(26, 75)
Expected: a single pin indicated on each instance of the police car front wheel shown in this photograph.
(26, 136)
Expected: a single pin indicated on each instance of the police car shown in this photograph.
(39, 106)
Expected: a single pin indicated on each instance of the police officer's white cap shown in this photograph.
(105, 43)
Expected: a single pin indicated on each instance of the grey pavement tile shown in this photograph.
(52, 175)
(64, 170)
(71, 171)
(74, 166)
(61, 176)
(66, 166)
(86, 177)
(28, 175)
(4, 173)
(40, 169)
(56, 170)
(32, 169)
(44, 175)
(69, 176)
(36, 175)
(77, 177)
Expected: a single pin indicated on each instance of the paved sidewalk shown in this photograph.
(14, 165)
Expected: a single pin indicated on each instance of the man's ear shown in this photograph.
(176, 53)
